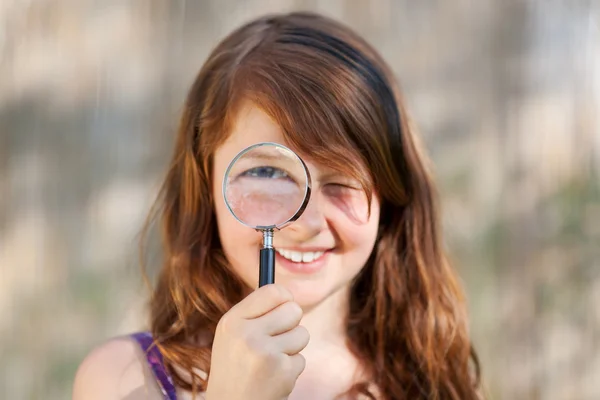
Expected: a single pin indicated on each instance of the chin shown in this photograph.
(310, 293)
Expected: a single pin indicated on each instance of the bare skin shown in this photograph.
(275, 358)
(258, 350)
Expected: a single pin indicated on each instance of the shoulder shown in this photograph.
(116, 369)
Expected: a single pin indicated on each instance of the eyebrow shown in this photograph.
(260, 157)
(261, 154)
(334, 174)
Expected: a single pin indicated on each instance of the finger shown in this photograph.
(262, 300)
(292, 342)
(293, 367)
(285, 317)
(297, 364)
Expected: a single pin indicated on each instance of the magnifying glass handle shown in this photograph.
(266, 274)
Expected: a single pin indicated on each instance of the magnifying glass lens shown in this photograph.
(266, 186)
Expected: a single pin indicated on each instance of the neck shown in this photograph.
(328, 346)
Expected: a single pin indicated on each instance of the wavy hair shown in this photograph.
(335, 99)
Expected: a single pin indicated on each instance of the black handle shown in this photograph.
(266, 274)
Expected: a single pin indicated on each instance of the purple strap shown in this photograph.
(155, 360)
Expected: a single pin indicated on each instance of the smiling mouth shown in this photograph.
(300, 256)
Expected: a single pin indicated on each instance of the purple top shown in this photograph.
(155, 361)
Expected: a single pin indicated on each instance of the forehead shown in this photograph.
(251, 125)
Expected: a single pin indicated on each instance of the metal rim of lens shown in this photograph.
(299, 210)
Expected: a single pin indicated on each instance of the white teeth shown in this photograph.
(308, 257)
(297, 256)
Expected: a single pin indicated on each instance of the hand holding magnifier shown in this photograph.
(266, 187)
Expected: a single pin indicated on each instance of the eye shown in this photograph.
(345, 185)
(340, 190)
(265, 172)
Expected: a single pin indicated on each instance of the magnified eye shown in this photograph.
(266, 172)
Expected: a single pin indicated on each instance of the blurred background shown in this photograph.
(505, 92)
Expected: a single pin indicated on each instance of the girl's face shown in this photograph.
(320, 253)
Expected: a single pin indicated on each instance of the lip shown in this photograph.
(302, 267)
(304, 249)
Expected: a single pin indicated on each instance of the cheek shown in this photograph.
(356, 229)
(240, 244)
(352, 203)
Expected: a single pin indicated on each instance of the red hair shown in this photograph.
(334, 98)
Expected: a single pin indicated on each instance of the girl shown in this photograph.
(365, 304)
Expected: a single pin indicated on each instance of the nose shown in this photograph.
(312, 221)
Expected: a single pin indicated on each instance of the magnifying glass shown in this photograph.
(266, 186)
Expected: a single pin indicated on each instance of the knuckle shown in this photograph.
(227, 324)
(278, 293)
(272, 358)
(252, 343)
(303, 334)
(267, 361)
(300, 362)
(293, 310)
(270, 292)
